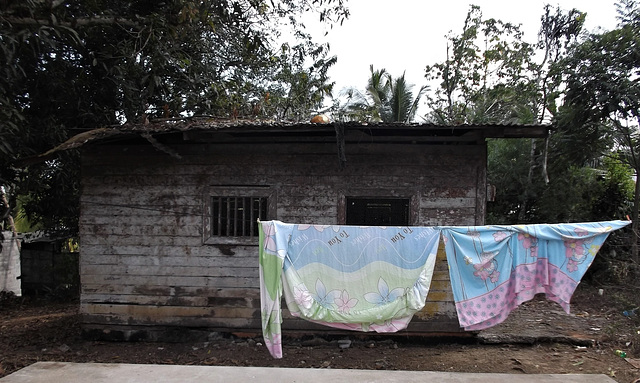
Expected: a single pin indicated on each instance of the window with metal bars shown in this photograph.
(237, 216)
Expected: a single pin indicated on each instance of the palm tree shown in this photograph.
(387, 99)
(402, 103)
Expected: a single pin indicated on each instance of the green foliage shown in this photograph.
(484, 77)
(508, 164)
(575, 193)
(603, 93)
(72, 66)
(617, 185)
(491, 75)
(297, 90)
(568, 197)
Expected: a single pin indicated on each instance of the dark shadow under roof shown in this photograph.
(197, 128)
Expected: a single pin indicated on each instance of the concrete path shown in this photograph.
(57, 372)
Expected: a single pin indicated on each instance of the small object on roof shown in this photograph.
(320, 119)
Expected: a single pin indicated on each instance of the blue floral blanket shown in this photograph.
(495, 268)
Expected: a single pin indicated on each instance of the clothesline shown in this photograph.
(373, 278)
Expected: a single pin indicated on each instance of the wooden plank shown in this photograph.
(174, 291)
(218, 282)
(149, 314)
(164, 300)
(358, 166)
(180, 240)
(447, 203)
(172, 251)
(142, 210)
(436, 308)
(96, 186)
(249, 260)
(450, 192)
(442, 216)
(138, 230)
(440, 296)
(109, 322)
(157, 300)
(186, 220)
(182, 271)
(103, 199)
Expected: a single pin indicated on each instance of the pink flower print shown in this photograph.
(268, 228)
(344, 303)
(499, 236)
(574, 248)
(273, 342)
(488, 268)
(575, 252)
(481, 272)
(528, 241)
(302, 297)
(581, 232)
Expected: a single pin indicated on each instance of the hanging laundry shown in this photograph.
(349, 277)
(493, 269)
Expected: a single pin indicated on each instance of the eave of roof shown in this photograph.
(261, 127)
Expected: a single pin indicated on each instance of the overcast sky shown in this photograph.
(406, 35)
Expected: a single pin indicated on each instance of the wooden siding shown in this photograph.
(145, 264)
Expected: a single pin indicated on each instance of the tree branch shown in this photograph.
(27, 21)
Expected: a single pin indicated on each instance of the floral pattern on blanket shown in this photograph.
(347, 277)
(376, 278)
(493, 269)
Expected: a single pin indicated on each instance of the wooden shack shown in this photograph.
(167, 229)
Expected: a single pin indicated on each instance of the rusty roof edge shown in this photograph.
(214, 124)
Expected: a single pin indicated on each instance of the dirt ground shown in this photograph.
(537, 338)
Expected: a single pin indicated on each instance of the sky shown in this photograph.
(406, 35)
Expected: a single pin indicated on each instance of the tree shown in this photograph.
(387, 99)
(69, 66)
(603, 92)
(298, 90)
(492, 76)
(485, 74)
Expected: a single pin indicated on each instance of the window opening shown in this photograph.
(237, 216)
(377, 211)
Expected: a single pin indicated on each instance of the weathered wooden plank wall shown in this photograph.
(145, 267)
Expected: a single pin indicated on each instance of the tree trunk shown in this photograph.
(634, 228)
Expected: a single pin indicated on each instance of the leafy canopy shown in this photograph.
(69, 66)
